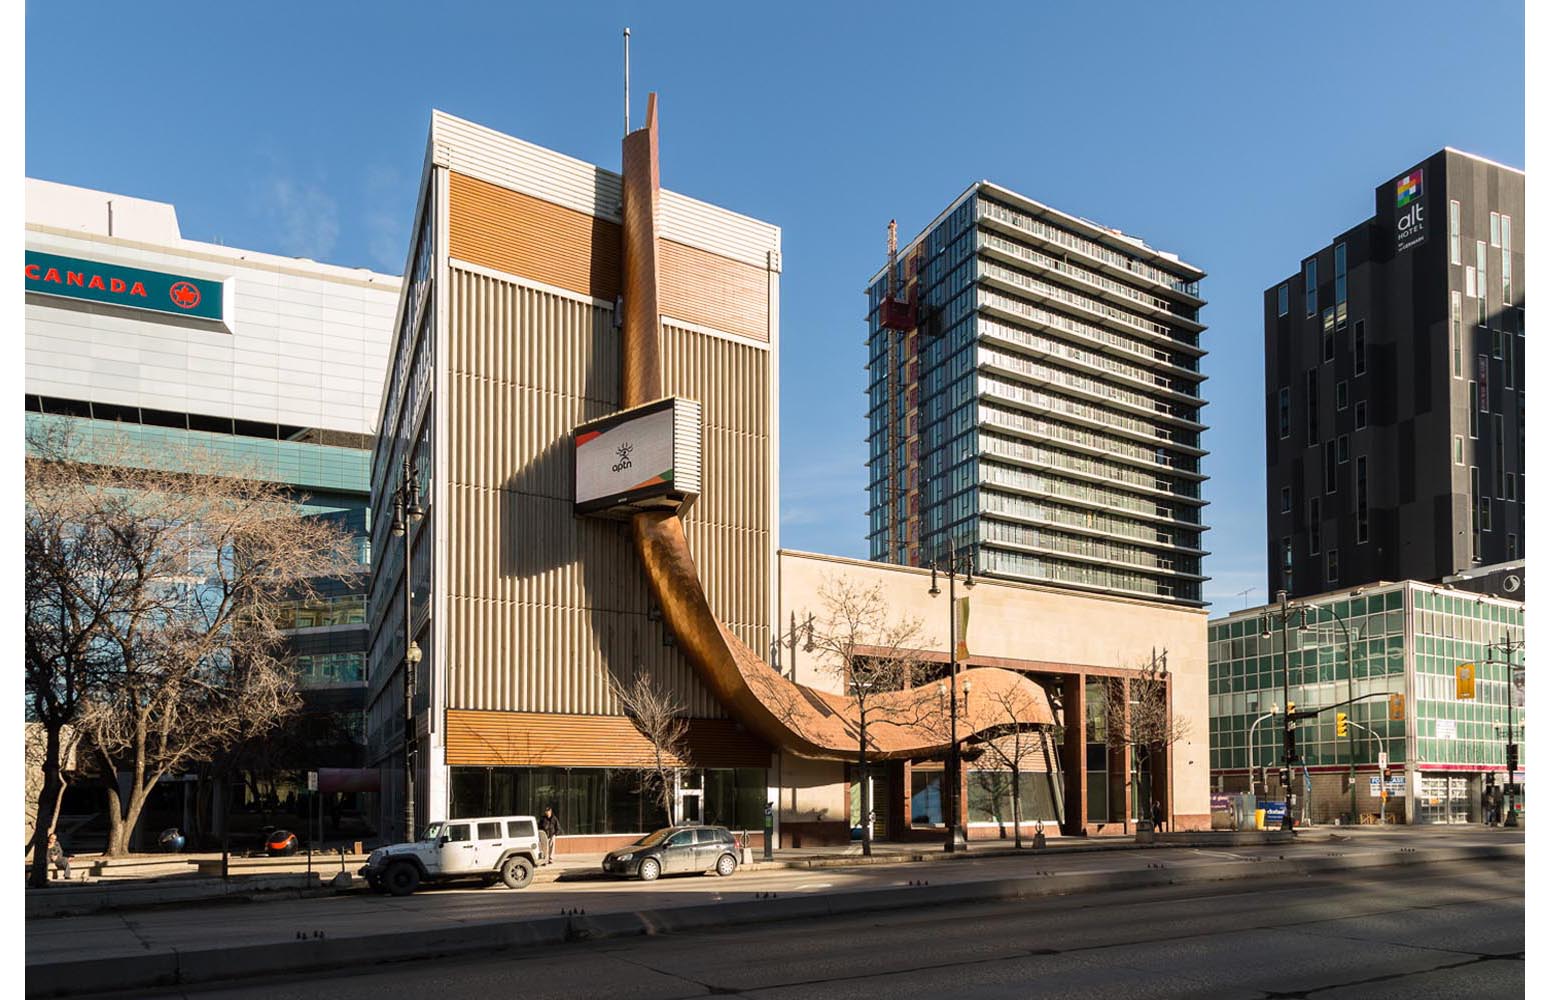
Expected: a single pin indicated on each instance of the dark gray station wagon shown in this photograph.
(676, 850)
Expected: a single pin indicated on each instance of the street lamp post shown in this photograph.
(1350, 677)
(407, 511)
(1508, 646)
(956, 839)
(1289, 739)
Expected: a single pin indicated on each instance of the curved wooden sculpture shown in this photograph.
(784, 714)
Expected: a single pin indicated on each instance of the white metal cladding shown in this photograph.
(308, 344)
(686, 445)
(543, 605)
(542, 173)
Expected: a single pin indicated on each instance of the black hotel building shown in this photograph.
(1394, 396)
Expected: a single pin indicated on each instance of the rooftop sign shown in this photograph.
(130, 287)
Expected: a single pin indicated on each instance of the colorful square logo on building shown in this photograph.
(1408, 189)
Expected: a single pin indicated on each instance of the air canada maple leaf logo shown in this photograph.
(184, 294)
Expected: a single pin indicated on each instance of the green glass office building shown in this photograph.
(1406, 644)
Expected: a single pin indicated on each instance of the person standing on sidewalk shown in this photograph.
(1486, 802)
(1157, 816)
(548, 829)
(57, 857)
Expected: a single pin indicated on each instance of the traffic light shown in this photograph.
(1340, 724)
(1396, 708)
(1512, 757)
(1464, 681)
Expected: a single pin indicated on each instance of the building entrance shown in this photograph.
(690, 797)
(1447, 798)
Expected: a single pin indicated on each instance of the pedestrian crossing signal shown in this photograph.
(1340, 724)
(1464, 681)
(1396, 708)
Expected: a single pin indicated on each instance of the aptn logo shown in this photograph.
(184, 294)
(1408, 189)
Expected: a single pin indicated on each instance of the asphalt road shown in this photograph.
(1414, 932)
(135, 933)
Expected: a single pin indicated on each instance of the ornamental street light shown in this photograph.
(1289, 741)
(956, 840)
(1508, 647)
(1350, 677)
(407, 511)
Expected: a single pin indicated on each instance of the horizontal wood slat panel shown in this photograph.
(706, 289)
(532, 238)
(530, 739)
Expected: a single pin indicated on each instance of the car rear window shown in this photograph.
(489, 831)
(520, 828)
(457, 832)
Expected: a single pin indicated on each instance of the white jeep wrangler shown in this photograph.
(489, 848)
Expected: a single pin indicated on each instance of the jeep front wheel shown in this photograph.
(402, 878)
(517, 873)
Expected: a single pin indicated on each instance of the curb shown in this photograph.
(81, 900)
(194, 965)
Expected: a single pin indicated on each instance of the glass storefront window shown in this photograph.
(925, 798)
(595, 800)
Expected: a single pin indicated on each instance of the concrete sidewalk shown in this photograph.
(194, 945)
(153, 881)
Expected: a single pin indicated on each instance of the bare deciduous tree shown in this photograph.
(192, 572)
(1012, 748)
(660, 719)
(871, 654)
(1146, 725)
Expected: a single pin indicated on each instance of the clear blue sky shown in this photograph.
(1237, 135)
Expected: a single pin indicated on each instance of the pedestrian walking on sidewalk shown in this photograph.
(1496, 805)
(57, 856)
(548, 829)
(1157, 816)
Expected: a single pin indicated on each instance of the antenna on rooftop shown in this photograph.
(626, 81)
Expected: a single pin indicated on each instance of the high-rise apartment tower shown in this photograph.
(1034, 401)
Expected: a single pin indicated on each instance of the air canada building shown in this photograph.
(575, 481)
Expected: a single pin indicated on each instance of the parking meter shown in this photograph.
(769, 831)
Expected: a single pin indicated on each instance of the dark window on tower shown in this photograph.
(1359, 345)
(1361, 499)
(1499, 454)
(1456, 323)
(1474, 511)
(1313, 527)
(1342, 449)
(1284, 407)
(1339, 276)
(1361, 414)
(1286, 499)
(1329, 466)
(1329, 334)
(1283, 300)
(1311, 398)
(1310, 284)
(1506, 260)
(1474, 419)
(1341, 399)
(1480, 300)
(1332, 565)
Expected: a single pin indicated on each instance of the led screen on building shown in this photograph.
(645, 458)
